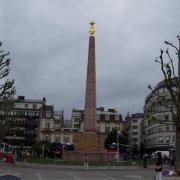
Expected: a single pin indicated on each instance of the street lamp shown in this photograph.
(144, 141)
(117, 136)
(43, 150)
(14, 139)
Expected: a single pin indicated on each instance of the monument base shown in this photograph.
(90, 143)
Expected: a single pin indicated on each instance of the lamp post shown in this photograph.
(14, 139)
(43, 150)
(144, 141)
(117, 146)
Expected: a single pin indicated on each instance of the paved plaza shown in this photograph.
(50, 172)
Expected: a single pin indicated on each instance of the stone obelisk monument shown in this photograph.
(89, 141)
(90, 96)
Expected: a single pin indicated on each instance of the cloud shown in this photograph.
(48, 41)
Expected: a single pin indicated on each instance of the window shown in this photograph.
(135, 133)
(135, 140)
(161, 108)
(47, 125)
(32, 113)
(102, 117)
(34, 106)
(26, 105)
(160, 128)
(98, 127)
(173, 139)
(166, 118)
(48, 113)
(66, 139)
(76, 125)
(77, 120)
(167, 127)
(155, 129)
(107, 129)
(160, 140)
(46, 137)
(135, 127)
(112, 117)
(173, 128)
(162, 90)
(134, 120)
(167, 139)
(57, 139)
(30, 132)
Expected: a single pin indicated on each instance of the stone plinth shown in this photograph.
(90, 142)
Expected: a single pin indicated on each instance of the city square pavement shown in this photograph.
(53, 172)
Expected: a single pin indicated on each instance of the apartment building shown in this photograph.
(24, 121)
(51, 123)
(106, 119)
(135, 130)
(158, 125)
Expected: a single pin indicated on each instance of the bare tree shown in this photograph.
(171, 80)
(7, 92)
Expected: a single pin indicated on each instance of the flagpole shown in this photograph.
(117, 146)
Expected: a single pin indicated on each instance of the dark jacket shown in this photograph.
(158, 167)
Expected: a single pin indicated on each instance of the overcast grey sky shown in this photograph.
(48, 41)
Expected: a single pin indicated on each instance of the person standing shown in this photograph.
(24, 156)
(86, 165)
(158, 167)
(14, 155)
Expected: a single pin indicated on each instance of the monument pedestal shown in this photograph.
(90, 143)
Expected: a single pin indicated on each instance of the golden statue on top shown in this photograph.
(91, 28)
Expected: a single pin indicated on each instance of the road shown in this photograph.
(75, 173)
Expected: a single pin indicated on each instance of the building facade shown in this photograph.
(31, 120)
(106, 119)
(51, 124)
(24, 121)
(158, 124)
(135, 130)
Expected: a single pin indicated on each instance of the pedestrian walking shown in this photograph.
(158, 167)
(24, 157)
(14, 156)
(86, 165)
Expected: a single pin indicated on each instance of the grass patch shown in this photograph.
(53, 161)
(112, 163)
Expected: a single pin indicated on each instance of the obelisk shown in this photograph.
(90, 96)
